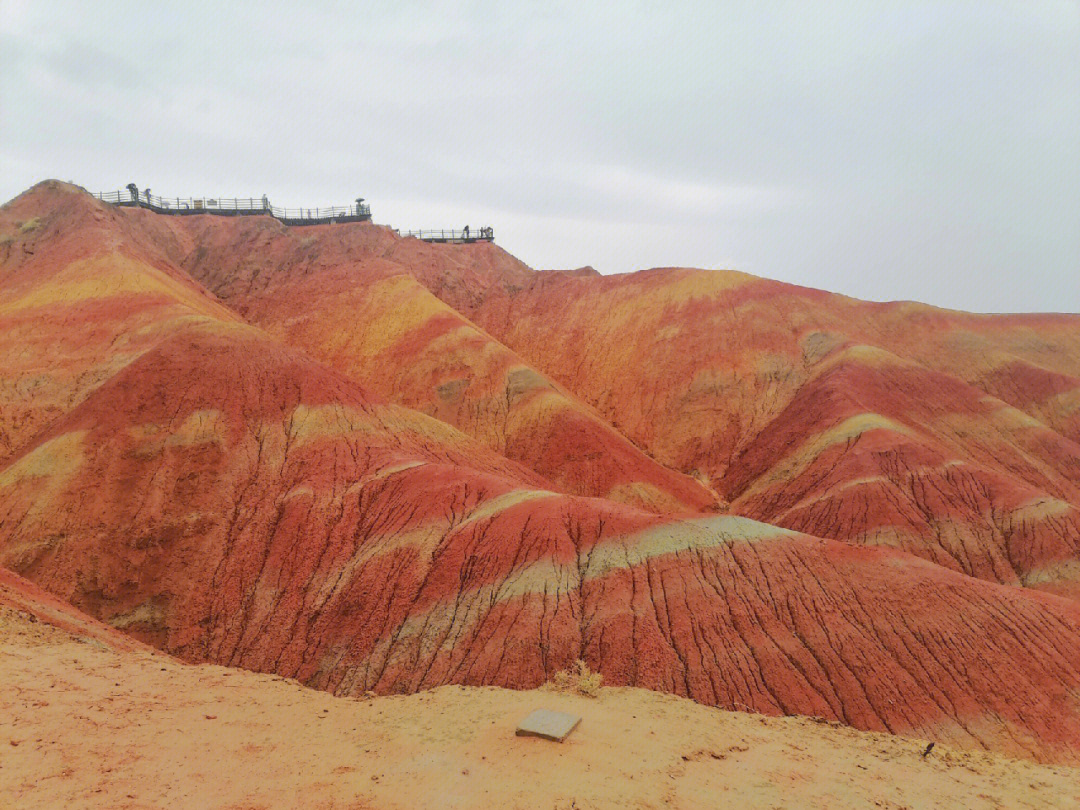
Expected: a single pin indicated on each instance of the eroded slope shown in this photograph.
(232, 500)
(156, 733)
(946, 434)
(355, 298)
(239, 504)
(80, 297)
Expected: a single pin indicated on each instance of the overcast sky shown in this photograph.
(907, 150)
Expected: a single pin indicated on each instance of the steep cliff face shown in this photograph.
(228, 495)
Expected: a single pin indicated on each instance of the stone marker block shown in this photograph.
(548, 725)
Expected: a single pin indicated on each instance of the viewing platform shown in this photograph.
(261, 206)
(236, 206)
(462, 237)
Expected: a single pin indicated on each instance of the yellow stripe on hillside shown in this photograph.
(794, 463)
(59, 457)
(109, 276)
(500, 503)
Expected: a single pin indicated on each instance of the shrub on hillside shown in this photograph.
(578, 678)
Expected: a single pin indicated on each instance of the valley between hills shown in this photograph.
(417, 480)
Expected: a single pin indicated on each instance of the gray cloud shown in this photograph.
(886, 150)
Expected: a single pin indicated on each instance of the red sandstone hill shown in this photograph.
(226, 497)
(353, 298)
(949, 435)
(718, 376)
(80, 296)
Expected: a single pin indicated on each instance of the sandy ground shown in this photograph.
(82, 725)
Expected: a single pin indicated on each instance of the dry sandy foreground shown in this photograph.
(82, 725)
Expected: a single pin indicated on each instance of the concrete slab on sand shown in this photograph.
(548, 724)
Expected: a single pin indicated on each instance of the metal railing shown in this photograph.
(251, 206)
(236, 206)
(464, 235)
